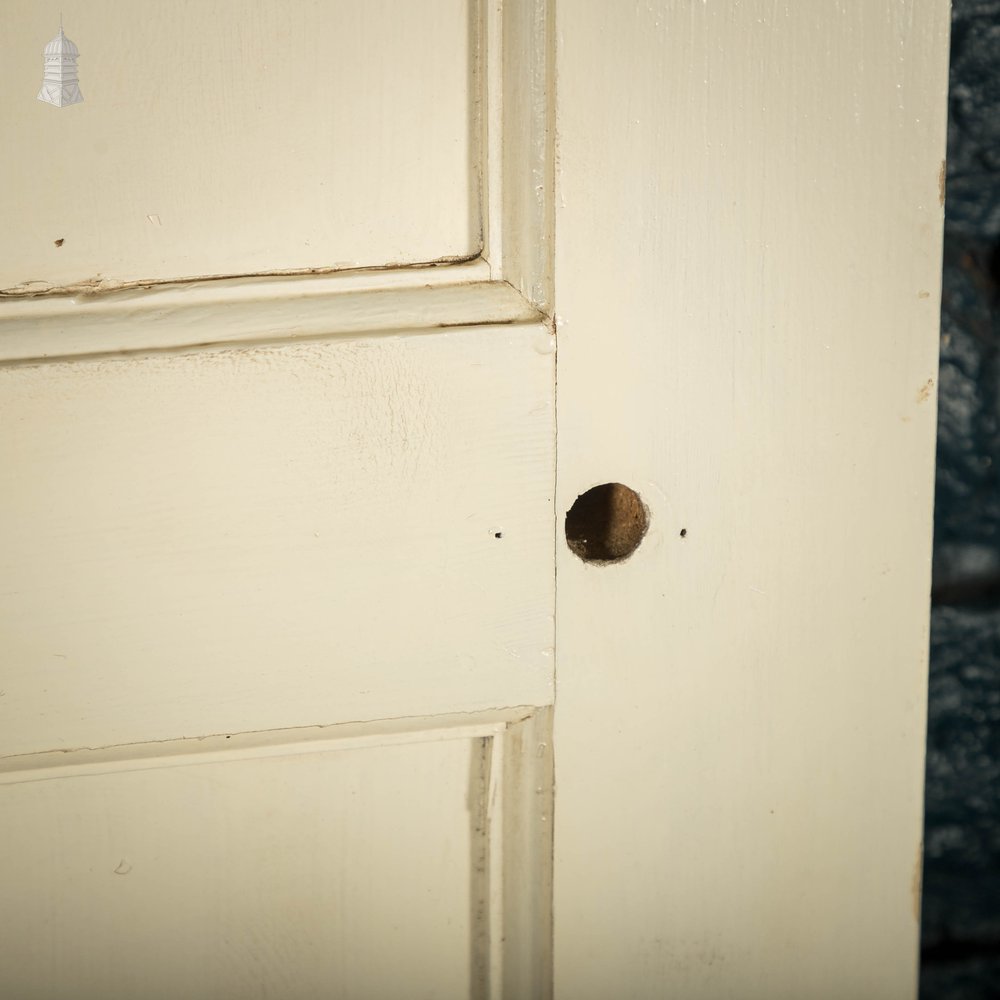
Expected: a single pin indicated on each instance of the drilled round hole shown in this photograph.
(607, 523)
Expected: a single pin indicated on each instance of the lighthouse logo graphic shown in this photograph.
(60, 86)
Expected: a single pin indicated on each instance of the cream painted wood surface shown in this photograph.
(747, 286)
(293, 655)
(292, 535)
(225, 854)
(242, 311)
(226, 864)
(239, 137)
(276, 536)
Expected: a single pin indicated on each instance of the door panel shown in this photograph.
(341, 873)
(275, 536)
(239, 137)
(387, 859)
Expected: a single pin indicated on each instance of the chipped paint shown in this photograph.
(90, 287)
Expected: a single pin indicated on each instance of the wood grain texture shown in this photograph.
(236, 137)
(273, 537)
(747, 283)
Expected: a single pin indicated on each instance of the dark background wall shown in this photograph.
(961, 907)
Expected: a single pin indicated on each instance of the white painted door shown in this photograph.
(295, 651)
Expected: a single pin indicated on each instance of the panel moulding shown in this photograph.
(510, 805)
(236, 312)
(510, 281)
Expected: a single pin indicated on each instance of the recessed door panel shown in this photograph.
(336, 874)
(237, 137)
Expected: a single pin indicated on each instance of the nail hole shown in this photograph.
(59, 243)
(498, 534)
(684, 532)
(607, 523)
